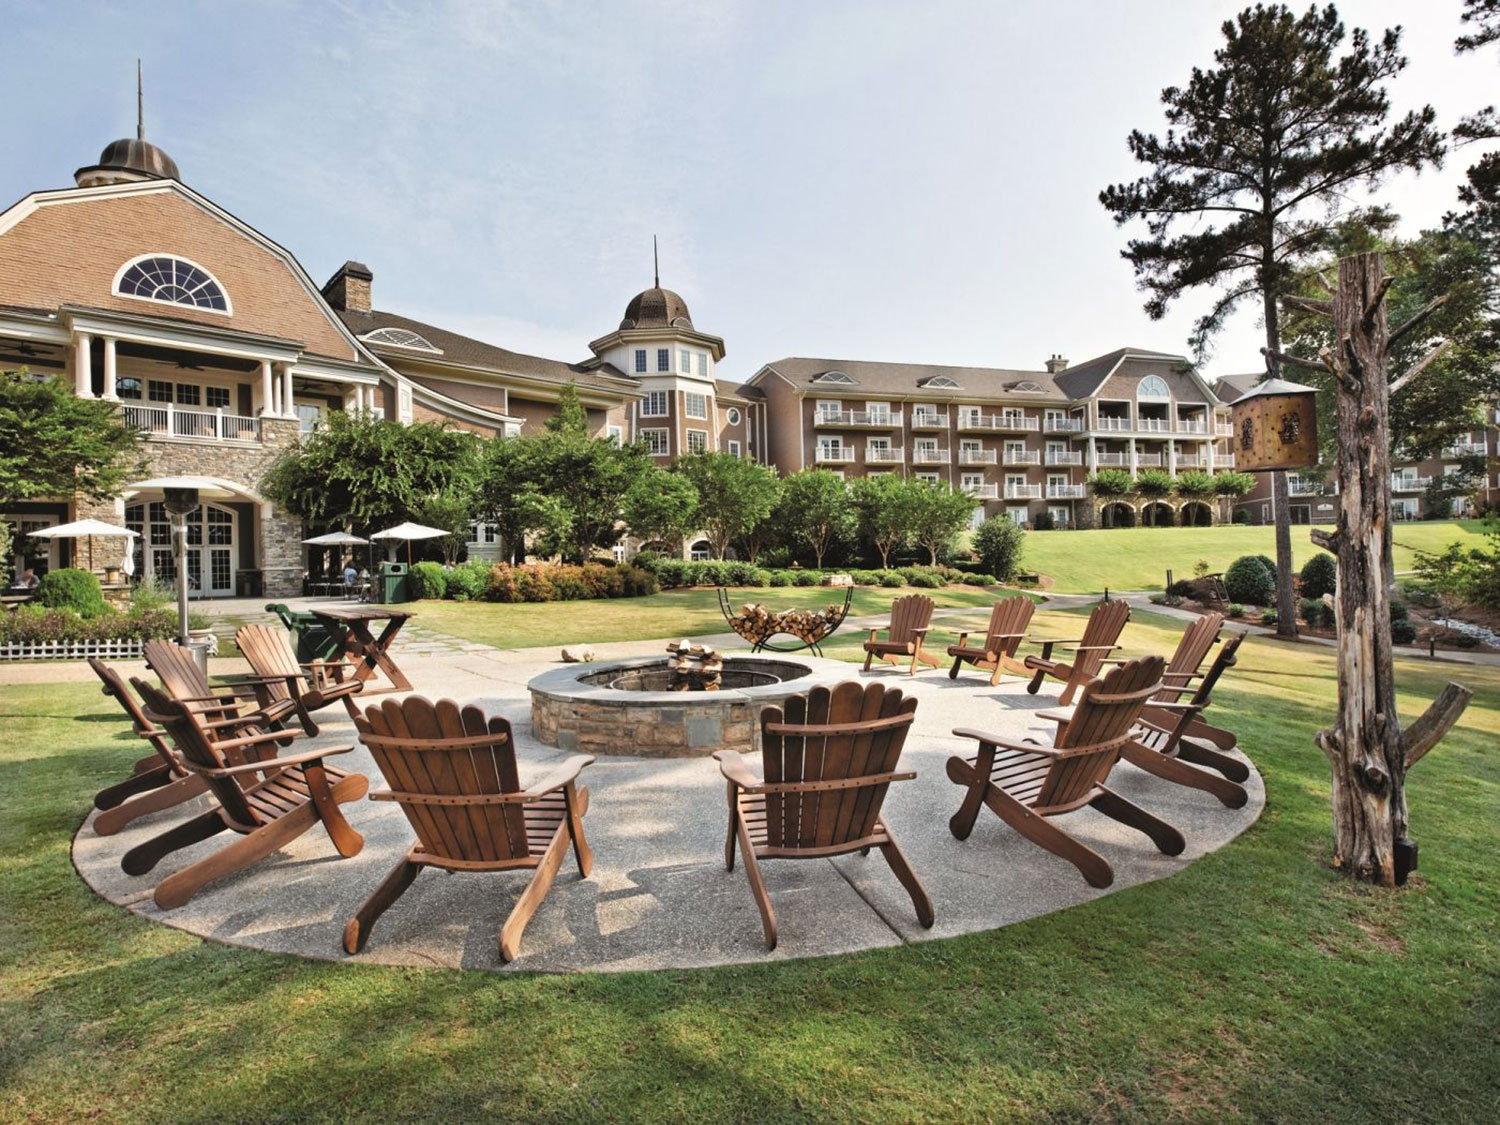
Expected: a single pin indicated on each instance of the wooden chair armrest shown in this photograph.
(1095, 648)
(1175, 689)
(962, 637)
(1181, 675)
(254, 718)
(732, 766)
(1055, 640)
(266, 765)
(258, 739)
(1058, 716)
(874, 632)
(565, 774)
(922, 632)
(1191, 705)
(1005, 743)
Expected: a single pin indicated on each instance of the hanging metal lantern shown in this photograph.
(1275, 427)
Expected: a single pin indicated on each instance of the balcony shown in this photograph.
(976, 456)
(1198, 462)
(1191, 426)
(1223, 429)
(981, 491)
(1465, 449)
(1153, 425)
(1054, 458)
(884, 455)
(928, 421)
(1021, 457)
(834, 455)
(1112, 460)
(1005, 423)
(1061, 424)
(1306, 486)
(1401, 483)
(858, 419)
(1114, 425)
(168, 420)
(1148, 460)
(1066, 491)
(1223, 460)
(920, 456)
(1023, 492)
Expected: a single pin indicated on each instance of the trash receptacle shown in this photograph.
(393, 584)
(313, 638)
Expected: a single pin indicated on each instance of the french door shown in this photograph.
(210, 548)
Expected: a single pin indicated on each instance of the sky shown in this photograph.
(911, 182)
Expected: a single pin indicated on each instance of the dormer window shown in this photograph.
(400, 338)
(1028, 387)
(172, 281)
(941, 382)
(1153, 386)
(833, 377)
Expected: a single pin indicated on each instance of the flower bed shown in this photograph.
(33, 633)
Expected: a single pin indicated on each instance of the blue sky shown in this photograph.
(909, 182)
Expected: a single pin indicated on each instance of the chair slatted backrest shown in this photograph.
(115, 686)
(197, 745)
(404, 738)
(1009, 621)
(861, 730)
(1104, 627)
(1102, 719)
(1196, 640)
(177, 670)
(908, 614)
(270, 653)
(1222, 663)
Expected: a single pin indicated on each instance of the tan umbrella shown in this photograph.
(84, 529)
(409, 531)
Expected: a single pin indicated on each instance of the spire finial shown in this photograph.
(140, 105)
(655, 264)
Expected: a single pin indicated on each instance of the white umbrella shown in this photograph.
(84, 529)
(409, 531)
(336, 539)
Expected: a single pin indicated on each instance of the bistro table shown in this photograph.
(366, 651)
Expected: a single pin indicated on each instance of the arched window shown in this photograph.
(174, 281)
(940, 381)
(1028, 387)
(1153, 386)
(400, 338)
(833, 377)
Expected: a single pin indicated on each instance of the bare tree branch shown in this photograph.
(1440, 715)
(1422, 314)
(1296, 361)
(1307, 304)
(1374, 306)
(1421, 365)
(1322, 279)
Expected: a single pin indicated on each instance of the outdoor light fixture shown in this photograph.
(180, 501)
(1275, 427)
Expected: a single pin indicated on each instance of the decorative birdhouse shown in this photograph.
(1275, 427)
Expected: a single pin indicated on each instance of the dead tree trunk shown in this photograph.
(1367, 750)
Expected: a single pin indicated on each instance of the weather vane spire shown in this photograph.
(140, 105)
(655, 264)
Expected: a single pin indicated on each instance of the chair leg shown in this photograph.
(1170, 769)
(958, 662)
(1223, 739)
(304, 716)
(176, 889)
(907, 877)
(757, 885)
(1200, 755)
(577, 800)
(1036, 681)
(961, 772)
(381, 899)
(729, 836)
(531, 897)
(350, 787)
(143, 857)
(183, 789)
(1166, 838)
(1094, 868)
(869, 656)
(138, 782)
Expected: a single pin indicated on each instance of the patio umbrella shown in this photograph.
(337, 539)
(84, 529)
(409, 531)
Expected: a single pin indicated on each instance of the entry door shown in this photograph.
(39, 555)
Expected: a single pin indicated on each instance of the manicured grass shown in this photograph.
(672, 613)
(1137, 558)
(1256, 983)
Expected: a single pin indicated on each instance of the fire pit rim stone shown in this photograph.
(566, 683)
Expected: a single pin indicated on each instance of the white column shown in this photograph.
(288, 408)
(83, 366)
(1093, 456)
(1172, 456)
(110, 371)
(267, 394)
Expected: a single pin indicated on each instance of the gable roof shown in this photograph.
(906, 379)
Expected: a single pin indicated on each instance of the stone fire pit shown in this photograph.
(627, 707)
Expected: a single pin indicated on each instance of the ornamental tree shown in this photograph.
(815, 510)
(939, 514)
(887, 507)
(1195, 482)
(660, 505)
(735, 495)
(1111, 482)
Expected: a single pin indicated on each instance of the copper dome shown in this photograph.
(130, 158)
(657, 308)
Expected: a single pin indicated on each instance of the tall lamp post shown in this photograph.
(180, 503)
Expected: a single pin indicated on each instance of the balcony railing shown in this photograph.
(207, 425)
(883, 455)
(1023, 492)
(1199, 462)
(1021, 457)
(1009, 423)
(1306, 486)
(1148, 460)
(1466, 449)
(1112, 460)
(1191, 426)
(875, 419)
(835, 455)
(1153, 425)
(929, 421)
(1118, 425)
(1223, 429)
(1054, 458)
(1223, 460)
(976, 456)
(920, 456)
(1409, 484)
(981, 491)
(1066, 491)
(1062, 424)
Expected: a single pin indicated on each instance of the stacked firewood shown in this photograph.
(694, 667)
(756, 623)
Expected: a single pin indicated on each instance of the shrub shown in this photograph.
(1315, 613)
(1200, 568)
(466, 582)
(807, 577)
(671, 572)
(71, 588)
(429, 580)
(1240, 516)
(1399, 612)
(781, 578)
(865, 577)
(1319, 576)
(1235, 610)
(891, 578)
(647, 560)
(926, 581)
(1403, 632)
(1269, 617)
(33, 624)
(1158, 599)
(1269, 564)
(1043, 521)
(151, 594)
(999, 543)
(1247, 580)
(1182, 588)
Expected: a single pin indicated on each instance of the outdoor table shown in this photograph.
(366, 651)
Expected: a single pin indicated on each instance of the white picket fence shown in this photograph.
(71, 650)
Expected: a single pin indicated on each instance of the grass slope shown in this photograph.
(1137, 558)
(1255, 983)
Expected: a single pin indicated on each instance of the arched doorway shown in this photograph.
(1195, 513)
(211, 555)
(700, 551)
(1157, 514)
(1117, 514)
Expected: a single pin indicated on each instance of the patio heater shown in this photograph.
(180, 503)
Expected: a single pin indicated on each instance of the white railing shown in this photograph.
(1465, 449)
(209, 425)
(981, 491)
(922, 456)
(1023, 492)
(976, 456)
(1409, 484)
(929, 421)
(1153, 425)
(1055, 458)
(1062, 424)
(1223, 460)
(1066, 491)
(1112, 460)
(886, 419)
(1116, 424)
(1198, 462)
(1148, 460)
(1021, 457)
(1223, 429)
(1191, 426)
(827, 456)
(885, 456)
(1009, 422)
(1303, 486)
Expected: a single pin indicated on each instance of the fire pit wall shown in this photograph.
(619, 707)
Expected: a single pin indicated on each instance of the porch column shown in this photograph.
(1093, 456)
(1172, 456)
(110, 381)
(288, 408)
(1132, 456)
(267, 394)
(83, 366)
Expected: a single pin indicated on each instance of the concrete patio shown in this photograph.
(659, 896)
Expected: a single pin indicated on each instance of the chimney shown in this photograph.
(1055, 364)
(348, 290)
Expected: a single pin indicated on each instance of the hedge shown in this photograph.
(73, 589)
(37, 625)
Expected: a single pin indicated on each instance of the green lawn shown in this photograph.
(1256, 983)
(1137, 558)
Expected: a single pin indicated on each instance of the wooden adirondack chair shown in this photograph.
(1099, 636)
(289, 796)
(158, 781)
(1007, 628)
(828, 758)
(910, 617)
(179, 673)
(280, 678)
(453, 772)
(1025, 784)
(1163, 742)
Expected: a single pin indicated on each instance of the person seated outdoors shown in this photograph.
(29, 580)
(350, 574)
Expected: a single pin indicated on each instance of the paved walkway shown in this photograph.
(659, 896)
